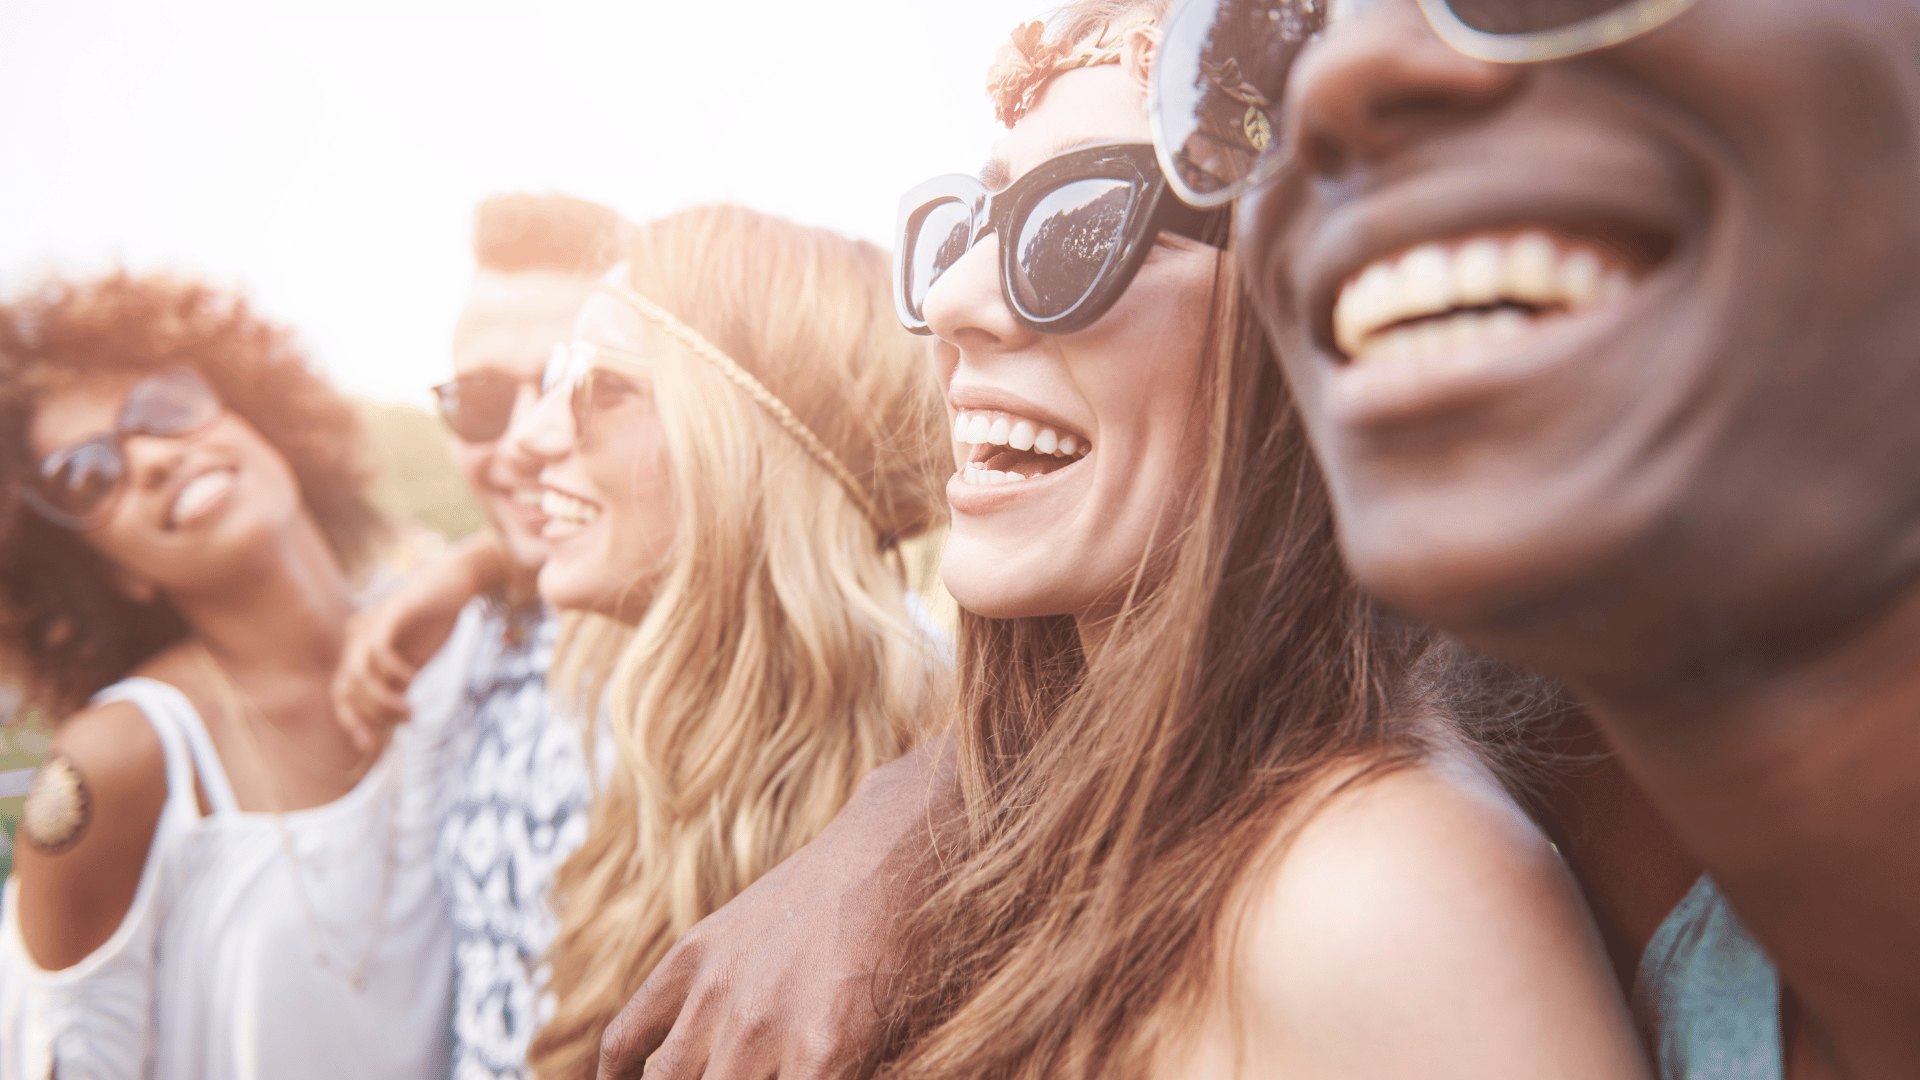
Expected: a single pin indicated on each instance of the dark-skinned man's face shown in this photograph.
(1626, 344)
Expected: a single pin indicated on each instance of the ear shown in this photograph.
(1141, 43)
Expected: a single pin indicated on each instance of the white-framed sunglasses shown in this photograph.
(593, 376)
(1222, 68)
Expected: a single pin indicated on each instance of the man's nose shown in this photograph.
(1380, 81)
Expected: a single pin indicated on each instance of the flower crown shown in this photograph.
(1027, 62)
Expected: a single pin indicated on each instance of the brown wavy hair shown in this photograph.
(1116, 801)
(66, 628)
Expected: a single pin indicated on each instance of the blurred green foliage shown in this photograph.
(21, 745)
(417, 480)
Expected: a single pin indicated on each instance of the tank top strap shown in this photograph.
(177, 722)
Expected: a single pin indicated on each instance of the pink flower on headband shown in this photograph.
(1022, 68)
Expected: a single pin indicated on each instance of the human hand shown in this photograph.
(780, 982)
(389, 641)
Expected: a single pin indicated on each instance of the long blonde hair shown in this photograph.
(777, 661)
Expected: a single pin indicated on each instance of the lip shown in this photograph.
(1355, 236)
(185, 478)
(1624, 191)
(529, 517)
(1386, 393)
(967, 498)
(555, 530)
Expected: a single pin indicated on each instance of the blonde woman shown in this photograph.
(733, 447)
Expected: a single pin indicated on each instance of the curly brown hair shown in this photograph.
(66, 627)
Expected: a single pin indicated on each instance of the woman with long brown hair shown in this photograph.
(733, 448)
(1213, 831)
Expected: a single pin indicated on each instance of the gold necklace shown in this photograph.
(236, 701)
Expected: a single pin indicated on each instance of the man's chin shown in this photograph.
(529, 553)
(1478, 585)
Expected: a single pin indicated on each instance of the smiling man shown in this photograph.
(1611, 364)
(519, 807)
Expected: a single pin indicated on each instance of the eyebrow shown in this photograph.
(996, 173)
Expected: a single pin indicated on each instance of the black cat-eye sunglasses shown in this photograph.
(1073, 232)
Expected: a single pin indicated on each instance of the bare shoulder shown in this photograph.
(85, 830)
(111, 753)
(1419, 924)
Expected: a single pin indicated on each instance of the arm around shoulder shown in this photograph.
(1420, 925)
(780, 981)
(84, 837)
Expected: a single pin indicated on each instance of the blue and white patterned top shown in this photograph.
(516, 808)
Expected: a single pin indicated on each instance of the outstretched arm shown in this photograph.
(388, 642)
(780, 981)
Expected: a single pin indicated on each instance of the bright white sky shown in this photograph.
(326, 154)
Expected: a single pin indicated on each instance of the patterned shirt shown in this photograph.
(517, 807)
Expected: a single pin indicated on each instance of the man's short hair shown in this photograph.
(520, 231)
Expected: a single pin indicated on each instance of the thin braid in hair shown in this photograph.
(756, 390)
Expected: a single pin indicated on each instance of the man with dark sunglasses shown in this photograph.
(524, 782)
(1602, 315)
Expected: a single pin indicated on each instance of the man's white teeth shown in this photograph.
(1528, 270)
(1000, 429)
(529, 497)
(977, 472)
(199, 492)
(566, 509)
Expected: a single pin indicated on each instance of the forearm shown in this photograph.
(922, 790)
(785, 972)
(479, 564)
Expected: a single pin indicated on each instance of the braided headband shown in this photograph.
(1028, 62)
(755, 389)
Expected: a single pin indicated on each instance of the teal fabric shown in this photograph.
(1707, 995)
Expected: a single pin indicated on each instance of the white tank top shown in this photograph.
(236, 961)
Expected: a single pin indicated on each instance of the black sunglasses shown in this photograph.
(1073, 233)
(1222, 67)
(75, 486)
(478, 407)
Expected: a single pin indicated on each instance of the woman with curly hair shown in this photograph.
(211, 881)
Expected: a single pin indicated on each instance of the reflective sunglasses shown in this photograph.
(75, 486)
(1073, 233)
(595, 377)
(478, 407)
(1222, 68)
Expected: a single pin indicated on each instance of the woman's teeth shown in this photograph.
(977, 473)
(566, 511)
(198, 494)
(1031, 449)
(1439, 297)
(1000, 429)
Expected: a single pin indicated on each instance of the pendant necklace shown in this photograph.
(238, 705)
